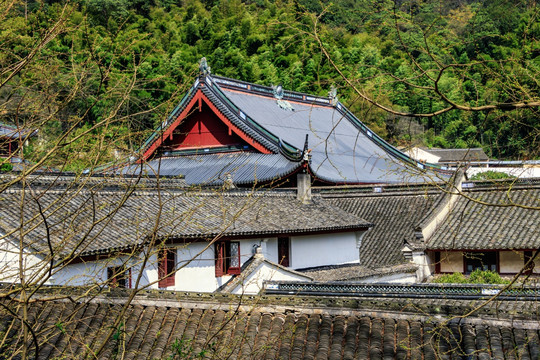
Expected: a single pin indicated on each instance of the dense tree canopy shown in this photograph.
(116, 68)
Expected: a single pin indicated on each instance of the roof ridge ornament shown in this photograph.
(278, 94)
(204, 69)
(332, 94)
(306, 153)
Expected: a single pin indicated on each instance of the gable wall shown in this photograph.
(201, 130)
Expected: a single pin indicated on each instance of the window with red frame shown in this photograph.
(119, 277)
(167, 266)
(227, 258)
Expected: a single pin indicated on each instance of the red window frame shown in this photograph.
(119, 277)
(167, 267)
(227, 258)
(284, 251)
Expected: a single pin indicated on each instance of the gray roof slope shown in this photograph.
(394, 216)
(473, 225)
(150, 330)
(355, 272)
(211, 169)
(340, 152)
(92, 220)
(456, 155)
(13, 132)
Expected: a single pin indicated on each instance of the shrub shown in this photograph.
(491, 175)
(455, 278)
(477, 277)
(486, 277)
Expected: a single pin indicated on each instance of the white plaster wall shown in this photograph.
(247, 249)
(34, 267)
(319, 250)
(424, 268)
(511, 261)
(451, 261)
(422, 155)
(270, 249)
(198, 274)
(93, 272)
(253, 284)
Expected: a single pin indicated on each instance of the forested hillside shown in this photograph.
(96, 76)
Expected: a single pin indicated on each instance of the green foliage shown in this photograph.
(182, 349)
(491, 175)
(87, 73)
(476, 277)
(455, 278)
(5, 166)
(486, 277)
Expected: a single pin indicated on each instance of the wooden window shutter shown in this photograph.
(220, 259)
(166, 267)
(162, 268)
(233, 257)
(283, 251)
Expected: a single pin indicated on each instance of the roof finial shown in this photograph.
(203, 67)
(278, 94)
(332, 94)
(278, 91)
(306, 153)
(228, 184)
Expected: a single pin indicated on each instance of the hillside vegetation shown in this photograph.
(96, 76)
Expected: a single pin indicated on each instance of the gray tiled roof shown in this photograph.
(211, 169)
(394, 216)
(456, 155)
(343, 149)
(13, 132)
(485, 219)
(69, 330)
(340, 152)
(93, 219)
(355, 272)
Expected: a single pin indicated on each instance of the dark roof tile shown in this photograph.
(492, 218)
(94, 220)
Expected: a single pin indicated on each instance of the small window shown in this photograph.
(119, 277)
(480, 260)
(167, 267)
(283, 251)
(227, 258)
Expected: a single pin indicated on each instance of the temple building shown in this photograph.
(226, 130)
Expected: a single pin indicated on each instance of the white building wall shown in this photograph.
(198, 273)
(95, 272)
(196, 262)
(319, 250)
(451, 261)
(270, 249)
(253, 284)
(34, 267)
(511, 261)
